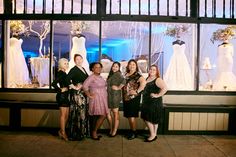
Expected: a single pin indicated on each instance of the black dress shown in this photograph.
(78, 125)
(151, 107)
(62, 97)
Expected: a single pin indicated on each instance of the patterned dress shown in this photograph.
(151, 107)
(131, 103)
(114, 96)
(78, 122)
(97, 86)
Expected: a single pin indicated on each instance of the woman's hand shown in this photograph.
(64, 89)
(153, 95)
(91, 95)
(78, 86)
(115, 87)
(133, 92)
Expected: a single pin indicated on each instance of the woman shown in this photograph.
(62, 95)
(78, 121)
(134, 85)
(152, 102)
(95, 88)
(115, 82)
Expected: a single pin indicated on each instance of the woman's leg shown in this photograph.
(132, 124)
(155, 128)
(116, 120)
(109, 119)
(151, 130)
(64, 112)
(97, 126)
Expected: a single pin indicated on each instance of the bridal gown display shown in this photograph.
(178, 75)
(17, 70)
(78, 47)
(225, 78)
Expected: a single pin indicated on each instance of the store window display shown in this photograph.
(225, 79)
(17, 70)
(178, 75)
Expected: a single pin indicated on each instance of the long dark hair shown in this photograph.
(132, 60)
(111, 72)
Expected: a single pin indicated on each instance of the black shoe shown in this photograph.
(96, 139)
(154, 139)
(132, 136)
(112, 135)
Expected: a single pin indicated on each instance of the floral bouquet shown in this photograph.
(17, 27)
(177, 30)
(223, 34)
(77, 27)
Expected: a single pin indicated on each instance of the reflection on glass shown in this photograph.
(76, 37)
(173, 52)
(122, 41)
(217, 68)
(27, 58)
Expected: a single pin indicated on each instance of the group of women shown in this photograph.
(104, 97)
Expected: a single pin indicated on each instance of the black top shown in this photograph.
(179, 42)
(61, 79)
(76, 76)
(150, 87)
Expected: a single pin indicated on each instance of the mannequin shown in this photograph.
(178, 75)
(17, 70)
(225, 78)
(78, 47)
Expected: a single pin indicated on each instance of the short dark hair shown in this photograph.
(91, 66)
(76, 55)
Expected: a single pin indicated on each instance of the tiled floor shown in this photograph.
(44, 144)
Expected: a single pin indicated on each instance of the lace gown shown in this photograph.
(178, 75)
(17, 70)
(151, 107)
(78, 47)
(225, 78)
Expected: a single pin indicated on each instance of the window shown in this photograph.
(76, 37)
(122, 41)
(217, 59)
(27, 57)
(173, 50)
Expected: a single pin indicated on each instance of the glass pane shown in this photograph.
(1, 7)
(122, 41)
(1, 53)
(173, 50)
(76, 37)
(217, 67)
(27, 57)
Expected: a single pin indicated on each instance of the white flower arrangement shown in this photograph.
(223, 34)
(177, 30)
(17, 27)
(77, 27)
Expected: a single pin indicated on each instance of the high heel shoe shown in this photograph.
(147, 140)
(95, 138)
(63, 135)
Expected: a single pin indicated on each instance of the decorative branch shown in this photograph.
(45, 29)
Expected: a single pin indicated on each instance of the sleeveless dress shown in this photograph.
(225, 78)
(178, 75)
(151, 107)
(17, 70)
(131, 103)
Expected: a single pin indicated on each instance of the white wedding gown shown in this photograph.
(178, 75)
(78, 47)
(225, 78)
(17, 70)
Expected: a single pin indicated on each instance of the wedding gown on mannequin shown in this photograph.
(225, 78)
(178, 75)
(78, 47)
(17, 70)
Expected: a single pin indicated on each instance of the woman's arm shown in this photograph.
(161, 84)
(86, 87)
